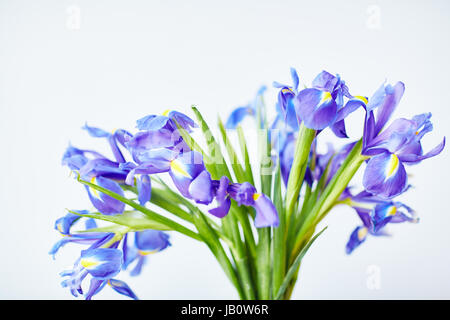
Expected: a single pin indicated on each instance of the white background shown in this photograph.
(127, 59)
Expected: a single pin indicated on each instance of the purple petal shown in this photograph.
(200, 188)
(316, 108)
(385, 176)
(266, 213)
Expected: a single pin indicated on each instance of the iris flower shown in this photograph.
(244, 194)
(240, 113)
(375, 213)
(145, 243)
(392, 148)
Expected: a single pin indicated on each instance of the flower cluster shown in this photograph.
(107, 254)
(157, 148)
(326, 104)
(300, 187)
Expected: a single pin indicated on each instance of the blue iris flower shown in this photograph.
(250, 110)
(392, 148)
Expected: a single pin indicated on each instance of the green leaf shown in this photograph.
(132, 219)
(209, 163)
(234, 160)
(297, 174)
(263, 263)
(244, 151)
(292, 270)
(279, 238)
(215, 152)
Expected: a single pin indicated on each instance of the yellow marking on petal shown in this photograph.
(93, 190)
(363, 99)
(256, 196)
(60, 228)
(392, 166)
(362, 233)
(392, 211)
(417, 132)
(146, 253)
(286, 90)
(325, 97)
(88, 263)
(176, 167)
(166, 113)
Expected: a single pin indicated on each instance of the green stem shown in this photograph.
(331, 193)
(263, 263)
(295, 181)
(293, 269)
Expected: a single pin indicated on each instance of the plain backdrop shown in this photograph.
(111, 62)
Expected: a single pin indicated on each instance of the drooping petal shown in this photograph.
(412, 158)
(357, 237)
(316, 108)
(96, 132)
(221, 210)
(200, 188)
(102, 263)
(339, 130)
(104, 203)
(149, 241)
(266, 213)
(385, 176)
(183, 120)
(351, 106)
(152, 122)
(237, 116)
(144, 188)
(122, 288)
(64, 224)
(95, 287)
(222, 198)
(184, 169)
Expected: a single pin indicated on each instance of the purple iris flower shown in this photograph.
(376, 213)
(287, 93)
(160, 131)
(323, 105)
(244, 194)
(187, 171)
(392, 148)
(145, 243)
(240, 113)
(102, 260)
(112, 140)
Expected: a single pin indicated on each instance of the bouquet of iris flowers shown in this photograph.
(258, 215)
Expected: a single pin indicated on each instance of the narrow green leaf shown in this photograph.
(279, 238)
(295, 265)
(244, 151)
(234, 160)
(211, 239)
(297, 174)
(132, 219)
(263, 263)
(215, 152)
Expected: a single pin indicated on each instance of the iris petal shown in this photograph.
(385, 176)
(266, 213)
(102, 263)
(316, 108)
